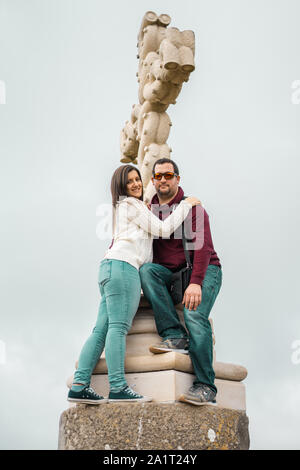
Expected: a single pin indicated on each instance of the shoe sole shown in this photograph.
(88, 402)
(128, 400)
(158, 350)
(197, 403)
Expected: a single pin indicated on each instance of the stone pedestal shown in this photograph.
(163, 423)
(168, 385)
(152, 426)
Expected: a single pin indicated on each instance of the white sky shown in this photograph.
(69, 72)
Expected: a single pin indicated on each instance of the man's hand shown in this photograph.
(192, 296)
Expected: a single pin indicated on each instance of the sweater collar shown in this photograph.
(176, 199)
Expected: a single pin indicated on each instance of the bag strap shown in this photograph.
(186, 253)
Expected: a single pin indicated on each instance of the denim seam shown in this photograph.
(126, 306)
(96, 355)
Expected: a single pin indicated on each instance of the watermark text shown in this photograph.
(2, 352)
(2, 92)
(129, 220)
(295, 357)
(295, 96)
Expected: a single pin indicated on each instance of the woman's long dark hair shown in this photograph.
(119, 181)
(118, 187)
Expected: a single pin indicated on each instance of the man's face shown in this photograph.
(166, 188)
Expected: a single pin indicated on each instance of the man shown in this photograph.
(200, 295)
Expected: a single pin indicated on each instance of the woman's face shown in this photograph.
(134, 184)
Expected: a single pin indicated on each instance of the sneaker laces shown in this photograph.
(207, 389)
(202, 388)
(176, 343)
(92, 392)
(131, 392)
(194, 388)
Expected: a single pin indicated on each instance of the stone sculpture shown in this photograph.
(166, 59)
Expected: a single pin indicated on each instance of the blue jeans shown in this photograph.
(155, 280)
(120, 288)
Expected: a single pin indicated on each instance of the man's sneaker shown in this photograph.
(127, 394)
(199, 394)
(86, 395)
(179, 345)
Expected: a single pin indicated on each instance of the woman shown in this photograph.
(134, 226)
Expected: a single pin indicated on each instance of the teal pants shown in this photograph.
(155, 280)
(120, 288)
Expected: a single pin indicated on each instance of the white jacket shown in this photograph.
(135, 227)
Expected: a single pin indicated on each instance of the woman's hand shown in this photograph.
(194, 201)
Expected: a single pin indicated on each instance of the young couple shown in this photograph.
(144, 254)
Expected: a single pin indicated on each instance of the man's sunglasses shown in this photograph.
(168, 175)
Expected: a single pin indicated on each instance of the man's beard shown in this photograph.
(165, 194)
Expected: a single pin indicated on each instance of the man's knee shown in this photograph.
(147, 271)
(196, 320)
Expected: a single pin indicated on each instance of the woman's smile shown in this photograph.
(134, 184)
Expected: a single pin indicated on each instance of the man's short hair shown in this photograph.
(165, 160)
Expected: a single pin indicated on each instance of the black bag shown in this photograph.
(181, 279)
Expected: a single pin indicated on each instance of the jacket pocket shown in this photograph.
(104, 272)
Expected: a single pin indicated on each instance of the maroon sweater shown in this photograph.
(169, 252)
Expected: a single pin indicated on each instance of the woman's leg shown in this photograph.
(94, 345)
(122, 294)
(92, 348)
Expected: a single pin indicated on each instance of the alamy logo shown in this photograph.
(111, 222)
(295, 98)
(296, 354)
(104, 227)
(2, 352)
(2, 92)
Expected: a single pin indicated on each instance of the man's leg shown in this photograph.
(201, 344)
(155, 280)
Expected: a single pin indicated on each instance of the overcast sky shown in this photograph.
(68, 69)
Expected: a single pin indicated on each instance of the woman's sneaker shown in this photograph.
(127, 394)
(86, 395)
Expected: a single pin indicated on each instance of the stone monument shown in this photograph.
(166, 59)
